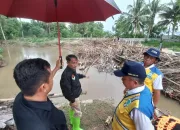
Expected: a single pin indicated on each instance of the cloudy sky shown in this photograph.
(122, 4)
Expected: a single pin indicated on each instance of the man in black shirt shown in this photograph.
(71, 89)
(32, 110)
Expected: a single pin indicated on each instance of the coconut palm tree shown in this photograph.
(122, 26)
(178, 2)
(170, 16)
(137, 14)
(154, 7)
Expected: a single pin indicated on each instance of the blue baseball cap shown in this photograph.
(153, 52)
(133, 69)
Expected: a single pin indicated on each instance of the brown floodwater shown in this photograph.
(98, 86)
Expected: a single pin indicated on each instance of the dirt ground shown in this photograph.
(94, 114)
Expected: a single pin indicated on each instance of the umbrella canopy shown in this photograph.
(75, 11)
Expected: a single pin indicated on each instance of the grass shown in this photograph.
(171, 45)
(33, 41)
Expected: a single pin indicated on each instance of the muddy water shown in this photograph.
(99, 85)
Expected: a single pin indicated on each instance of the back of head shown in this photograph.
(30, 74)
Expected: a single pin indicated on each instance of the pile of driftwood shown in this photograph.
(109, 55)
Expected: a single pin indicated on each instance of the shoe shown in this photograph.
(71, 114)
(76, 123)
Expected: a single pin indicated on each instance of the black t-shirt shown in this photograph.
(31, 115)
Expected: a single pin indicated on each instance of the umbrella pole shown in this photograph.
(58, 28)
(59, 44)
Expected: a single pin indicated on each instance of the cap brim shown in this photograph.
(152, 55)
(119, 73)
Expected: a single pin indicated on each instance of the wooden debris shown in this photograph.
(109, 55)
(108, 120)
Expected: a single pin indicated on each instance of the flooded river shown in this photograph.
(99, 85)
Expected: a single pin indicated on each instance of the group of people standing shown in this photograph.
(32, 109)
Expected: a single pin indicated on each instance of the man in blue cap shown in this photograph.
(154, 76)
(135, 110)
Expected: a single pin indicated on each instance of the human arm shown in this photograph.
(157, 86)
(57, 67)
(141, 121)
(81, 76)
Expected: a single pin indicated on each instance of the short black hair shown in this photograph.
(29, 74)
(69, 57)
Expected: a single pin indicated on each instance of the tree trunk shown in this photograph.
(2, 32)
(150, 30)
(48, 28)
(173, 29)
(21, 28)
(168, 32)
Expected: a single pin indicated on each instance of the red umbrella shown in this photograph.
(75, 11)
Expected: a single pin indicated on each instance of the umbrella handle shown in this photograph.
(61, 61)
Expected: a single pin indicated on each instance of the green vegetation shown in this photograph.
(139, 21)
(1, 51)
(171, 45)
(12, 28)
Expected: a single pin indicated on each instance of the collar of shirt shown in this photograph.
(46, 105)
(70, 69)
(135, 90)
(150, 66)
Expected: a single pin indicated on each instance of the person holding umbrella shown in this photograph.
(32, 109)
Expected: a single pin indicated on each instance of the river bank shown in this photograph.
(100, 84)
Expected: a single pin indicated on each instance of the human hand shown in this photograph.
(75, 105)
(87, 77)
(58, 64)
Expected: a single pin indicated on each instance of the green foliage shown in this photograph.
(108, 34)
(11, 27)
(76, 35)
(170, 16)
(89, 29)
(15, 28)
(1, 50)
(139, 20)
(178, 3)
(172, 45)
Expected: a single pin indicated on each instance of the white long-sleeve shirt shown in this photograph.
(141, 121)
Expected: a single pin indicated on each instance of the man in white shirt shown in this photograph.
(154, 76)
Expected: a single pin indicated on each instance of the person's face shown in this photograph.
(128, 82)
(73, 63)
(149, 60)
